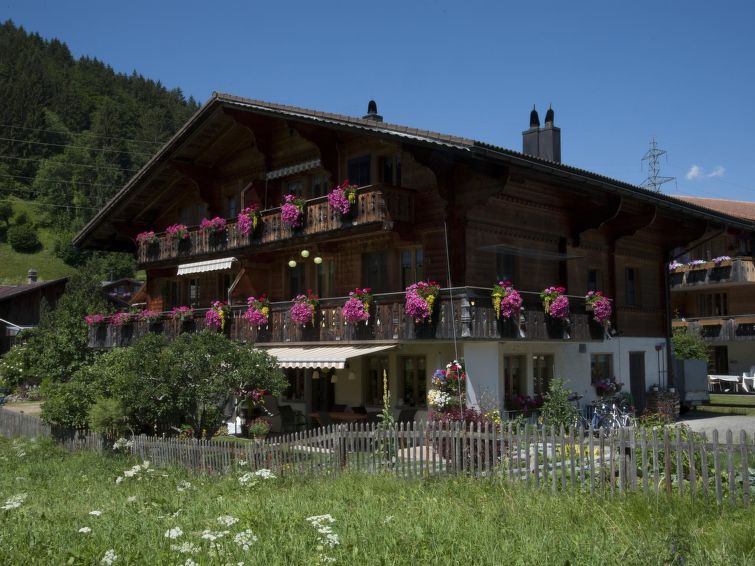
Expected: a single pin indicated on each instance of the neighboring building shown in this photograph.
(429, 205)
(20, 305)
(122, 292)
(717, 298)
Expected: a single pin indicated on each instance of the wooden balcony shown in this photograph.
(378, 207)
(735, 271)
(721, 329)
(469, 313)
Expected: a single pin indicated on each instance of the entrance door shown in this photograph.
(720, 359)
(637, 379)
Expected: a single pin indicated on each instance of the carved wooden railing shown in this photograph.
(469, 314)
(380, 205)
(739, 328)
(737, 270)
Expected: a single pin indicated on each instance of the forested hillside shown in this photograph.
(72, 131)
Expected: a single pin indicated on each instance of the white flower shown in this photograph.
(119, 479)
(212, 536)
(131, 498)
(183, 486)
(245, 539)
(190, 562)
(265, 474)
(247, 479)
(85, 530)
(95, 513)
(174, 532)
(14, 502)
(185, 548)
(317, 520)
(227, 520)
(109, 557)
(242, 462)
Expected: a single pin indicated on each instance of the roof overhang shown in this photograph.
(323, 357)
(223, 264)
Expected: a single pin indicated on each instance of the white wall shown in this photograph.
(741, 357)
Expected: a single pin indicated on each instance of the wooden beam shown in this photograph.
(626, 223)
(327, 143)
(585, 217)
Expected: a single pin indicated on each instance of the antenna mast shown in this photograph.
(654, 179)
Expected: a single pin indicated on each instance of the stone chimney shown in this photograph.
(31, 276)
(545, 142)
(372, 112)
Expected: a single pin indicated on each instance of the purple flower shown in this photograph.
(213, 319)
(353, 311)
(95, 319)
(120, 318)
(559, 307)
(416, 306)
(511, 304)
(337, 200)
(292, 211)
(255, 317)
(602, 309)
(301, 313)
(214, 225)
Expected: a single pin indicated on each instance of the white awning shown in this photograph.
(321, 356)
(204, 266)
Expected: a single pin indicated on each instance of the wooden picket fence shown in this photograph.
(668, 460)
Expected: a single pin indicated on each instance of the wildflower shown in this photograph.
(212, 536)
(14, 502)
(265, 474)
(174, 532)
(185, 548)
(85, 530)
(183, 486)
(131, 498)
(109, 557)
(119, 479)
(245, 539)
(227, 520)
(190, 562)
(95, 513)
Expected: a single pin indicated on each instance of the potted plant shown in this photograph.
(152, 318)
(184, 315)
(556, 308)
(259, 428)
(95, 320)
(179, 233)
(218, 315)
(149, 241)
(303, 309)
(121, 319)
(343, 199)
(356, 309)
(249, 222)
(601, 309)
(507, 304)
(293, 212)
(420, 300)
(258, 311)
(215, 229)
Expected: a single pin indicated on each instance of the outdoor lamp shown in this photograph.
(352, 376)
(318, 260)
(334, 378)
(292, 263)
(305, 253)
(315, 374)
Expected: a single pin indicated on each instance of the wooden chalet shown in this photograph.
(429, 206)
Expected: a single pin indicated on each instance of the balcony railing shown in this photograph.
(737, 270)
(380, 205)
(469, 314)
(721, 329)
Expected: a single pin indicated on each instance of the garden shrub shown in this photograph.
(67, 404)
(689, 346)
(23, 239)
(557, 410)
(108, 416)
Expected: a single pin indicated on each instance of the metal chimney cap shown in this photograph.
(534, 118)
(372, 112)
(549, 116)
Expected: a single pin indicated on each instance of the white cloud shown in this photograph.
(718, 171)
(695, 172)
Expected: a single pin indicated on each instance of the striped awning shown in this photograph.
(321, 356)
(204, 266)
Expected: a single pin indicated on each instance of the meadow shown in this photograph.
(83, 508)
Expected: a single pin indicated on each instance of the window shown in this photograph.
(413, 381)
(224, 283)
(194, 292)
(375, 271)
(513, 376)
(505, 266)
(601, 367)
(631, 287)
(295, 187)
(542, 372)
(374, 388)
(320, 186)
(412, 266)
(295, 389)
(193, 214)
(326, 278)
(594, 280)
(713, 304)
(232, 206)
(390, 170)
(358, 170)
(296, 283)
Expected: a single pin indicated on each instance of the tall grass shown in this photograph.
(378, 520)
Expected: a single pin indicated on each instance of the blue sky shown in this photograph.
(616, 73)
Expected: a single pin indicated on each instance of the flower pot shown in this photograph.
(155, 326)
(299, 229)
(350, 216)
(217, 239)
(184, 246)
(555, 327)
(597, 330)
(425, 329)
(153, 250)
(509, 327)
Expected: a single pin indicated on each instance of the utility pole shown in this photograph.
(654, 180)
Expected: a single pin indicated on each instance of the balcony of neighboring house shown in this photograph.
(378, 207)
(720, 328)
(464, 312)
(736, 270)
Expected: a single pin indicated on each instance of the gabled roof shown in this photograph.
(9, 291)
(466, 146)
(738, 208)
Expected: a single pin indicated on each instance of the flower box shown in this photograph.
(555, 327)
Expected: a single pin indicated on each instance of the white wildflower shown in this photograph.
(212, 536)
(119, 479)
(185, 548)
(245, 539)
(242, 463)
(265, 474)
(109, 557)
(183, 486)
(190, 562)
(123, 445)
(131, 498)
(85, 530)
(14, 502)
(317, 520)
(248, 479)
(227, 520)
(95, 513)
(174, 532)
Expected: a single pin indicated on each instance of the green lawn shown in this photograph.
(730, 400)
(376, 520)
(14, 266)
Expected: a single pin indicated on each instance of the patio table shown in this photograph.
(731, 379)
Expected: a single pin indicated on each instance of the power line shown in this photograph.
(78, 134)
(60, 205)
(98, 200)
(67, 163)
(102, 149)
(63, 181)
